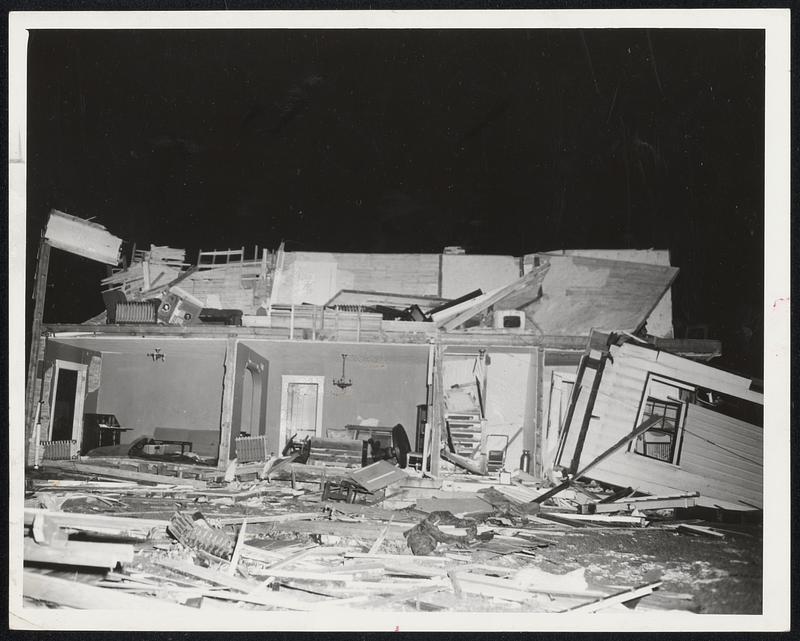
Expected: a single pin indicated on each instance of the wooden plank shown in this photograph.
(645, 503)
(620, 443)
(532, 279)
(607, 519)
(587, 415)
(300, 575)
(94, 522)
(212, 576)
(378, 475)
(614, 599)
(699, 529)
(292, 558)
(74, 594)
(38, 343)
(115, 472)
(237, 549)
(81, 553)
(226, 419)
(365, 530)
(271, 518)
(379, 541)
(489, 587)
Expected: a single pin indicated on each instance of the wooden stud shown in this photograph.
(80, 553)
(37, 344)
(75, 594)
(614, 599)
(226, 418)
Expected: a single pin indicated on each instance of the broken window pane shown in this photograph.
(659, 441)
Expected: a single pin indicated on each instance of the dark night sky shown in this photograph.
(502, 141)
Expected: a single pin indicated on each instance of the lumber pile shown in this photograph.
(265, 544)
(148, 270)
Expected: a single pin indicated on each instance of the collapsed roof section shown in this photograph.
(565, 294)
(571, 295)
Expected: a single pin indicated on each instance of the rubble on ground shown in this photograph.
(261, 542)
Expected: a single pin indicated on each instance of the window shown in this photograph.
(660, 440)
(666, 399)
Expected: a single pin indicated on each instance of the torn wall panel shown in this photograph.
(580, 294)
(465, 272)
(82, 237)
(694, 448)
(659, 323)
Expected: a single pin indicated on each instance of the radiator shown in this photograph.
(59, 450)
(251, 448)
(135, 312)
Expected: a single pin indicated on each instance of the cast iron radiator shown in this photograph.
(59, 450)
(251, 448)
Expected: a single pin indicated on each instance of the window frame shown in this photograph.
(648, 397)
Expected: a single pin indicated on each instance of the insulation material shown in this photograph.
(81, 237)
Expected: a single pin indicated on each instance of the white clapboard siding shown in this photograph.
(721, 457)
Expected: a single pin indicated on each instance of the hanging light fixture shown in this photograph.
(342, 382)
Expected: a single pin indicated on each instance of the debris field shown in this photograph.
(280, 539)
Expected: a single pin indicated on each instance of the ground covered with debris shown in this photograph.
(472, 544)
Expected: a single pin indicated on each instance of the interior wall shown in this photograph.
(184, 392)
(246, 357)
(464, 273)
(389, 381)
(511, 409)
(508, 406)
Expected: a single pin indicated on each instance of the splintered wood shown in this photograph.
(290, 550)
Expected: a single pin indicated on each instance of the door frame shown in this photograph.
(286, 380)
(80, 397)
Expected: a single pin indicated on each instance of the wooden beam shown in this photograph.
(642, 503)
(532, 278)
(74, 594)
(587, 415)
(226, 418)
(118, 473)
(437, 423)
(641, 429)
(37, 344)
(538, 383)
(614, 599)
(80, 553)
(212, 576)
(94, 522)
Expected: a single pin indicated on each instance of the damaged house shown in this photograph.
(480, 359)
(449, 409)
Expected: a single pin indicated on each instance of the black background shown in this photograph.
(502, 141)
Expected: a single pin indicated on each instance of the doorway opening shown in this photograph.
(301, 407)
(66, 410)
